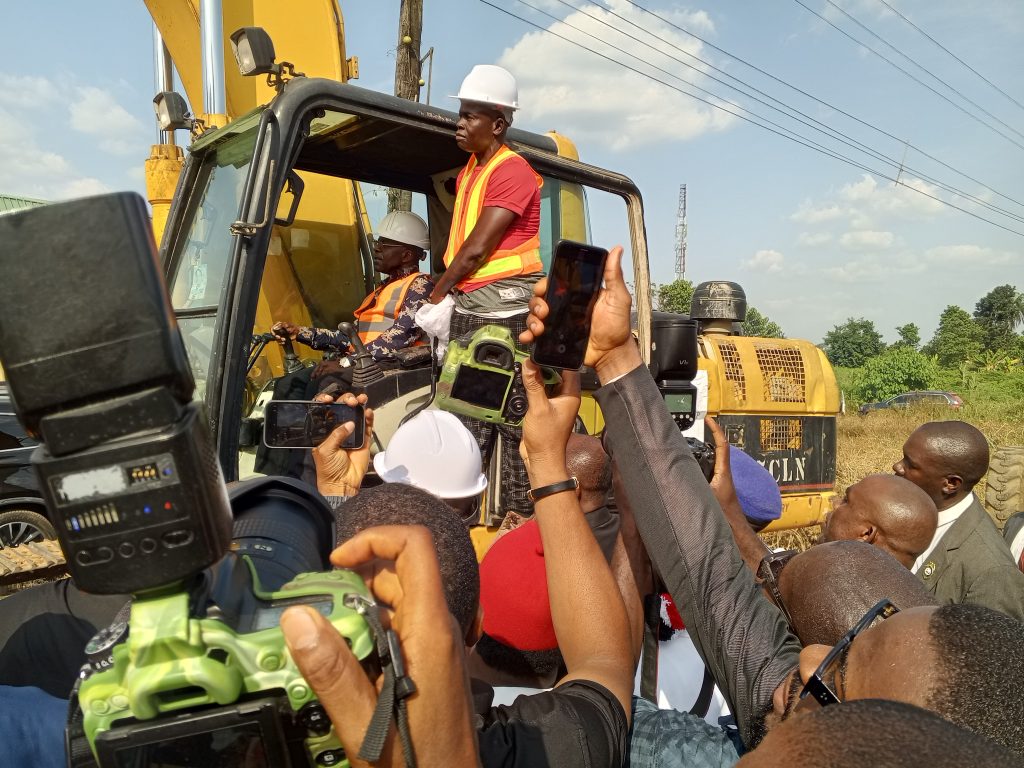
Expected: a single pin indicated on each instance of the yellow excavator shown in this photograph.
(268, 220)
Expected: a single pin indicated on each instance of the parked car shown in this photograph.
(932, 397)
(22, 511)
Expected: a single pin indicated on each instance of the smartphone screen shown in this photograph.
(576, 273)
(302, 424)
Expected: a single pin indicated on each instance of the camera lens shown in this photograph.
(517, 406)
(560, 349)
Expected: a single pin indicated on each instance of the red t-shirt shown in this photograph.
(513, 186)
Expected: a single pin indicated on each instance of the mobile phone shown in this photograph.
(303, 424)
(573, 283)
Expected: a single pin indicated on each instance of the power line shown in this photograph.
(786, 135)
(944, 48)
(916, 79)
(828, 130)
(818, 100)
(923, 69)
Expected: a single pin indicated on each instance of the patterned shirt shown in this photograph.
(403, 333)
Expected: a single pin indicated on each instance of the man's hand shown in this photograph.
(440, 712)
(610, 350)
(548, 424)
(285, 330)
(340, 472)
(721, 482)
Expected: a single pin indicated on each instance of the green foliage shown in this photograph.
(999, 312)
(757, 324)
(675, 296)
(957, 339)
(898, 369)
(910, 335)
(853, 343)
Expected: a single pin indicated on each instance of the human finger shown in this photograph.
(333, 672)
(533, 383)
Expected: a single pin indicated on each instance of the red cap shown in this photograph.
(514, 591)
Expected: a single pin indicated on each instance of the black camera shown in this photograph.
(674, 364)
(198, 674)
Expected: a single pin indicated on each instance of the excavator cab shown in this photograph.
(272, 220)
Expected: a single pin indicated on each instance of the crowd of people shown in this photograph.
(627, 612)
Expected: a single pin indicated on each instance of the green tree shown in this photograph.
(675, 296)
(957, 338)
(756, 324)
(910, 336)
(853, 343)
(898, 369)
(999, 312)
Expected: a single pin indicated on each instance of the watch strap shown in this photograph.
(536, 494)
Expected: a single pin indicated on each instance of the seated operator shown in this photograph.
(386, 320)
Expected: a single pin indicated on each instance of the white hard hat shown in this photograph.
(405, 227)
(489, 84)
(435, 452)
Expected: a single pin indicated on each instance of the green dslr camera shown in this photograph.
(482, 377)
(217, 690)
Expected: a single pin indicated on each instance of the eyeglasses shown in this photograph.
(816, 685)
(768, 573)
(383, 242)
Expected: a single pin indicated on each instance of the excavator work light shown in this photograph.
(254, 51)
(171, 111)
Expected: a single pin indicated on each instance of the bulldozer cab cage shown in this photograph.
(270, 222)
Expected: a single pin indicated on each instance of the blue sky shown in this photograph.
(812, 240)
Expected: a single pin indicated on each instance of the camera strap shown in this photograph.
(391, 703)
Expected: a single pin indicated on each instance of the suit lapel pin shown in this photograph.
(929, 569)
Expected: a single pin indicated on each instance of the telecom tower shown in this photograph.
(681, 234)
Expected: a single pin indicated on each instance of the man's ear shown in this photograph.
(868, 533)
(951, 484)
(476, 629)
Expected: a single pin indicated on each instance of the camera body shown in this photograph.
(217, 688)
(482, 377)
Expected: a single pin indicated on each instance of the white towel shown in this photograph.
(435, 320)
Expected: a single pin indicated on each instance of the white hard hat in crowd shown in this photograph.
(434, 452)
(489, 84)
(405, 227)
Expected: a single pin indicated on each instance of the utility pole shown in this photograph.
(407, 76)
(681, 234)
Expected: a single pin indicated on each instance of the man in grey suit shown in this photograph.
(968, 561)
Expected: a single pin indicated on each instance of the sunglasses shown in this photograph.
(816, 685)
(768, 573)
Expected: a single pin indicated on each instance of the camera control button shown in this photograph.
(104, 555)
(148, 546)
(84, 557)
(126, 549)
(330, 757)
(173, 539)
(315, 719)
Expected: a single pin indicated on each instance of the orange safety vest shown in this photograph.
(381, 308)
(524, 259)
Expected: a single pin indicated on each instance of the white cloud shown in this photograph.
(912, 198)
(82, 187)
(96, 112)
(22, 92)
(809, 213)
(973, 256)
(597, 101)
(765, 261)
(866, 240)
(813, 239)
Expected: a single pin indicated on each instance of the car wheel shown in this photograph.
(20, 526)
(1004, 489)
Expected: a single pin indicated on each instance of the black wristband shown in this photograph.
(536, 494)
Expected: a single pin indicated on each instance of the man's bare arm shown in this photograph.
(489, 229)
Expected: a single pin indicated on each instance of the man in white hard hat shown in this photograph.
(386, 320)
(493, 256)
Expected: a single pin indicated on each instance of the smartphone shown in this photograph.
(573, 283)
(303, 424)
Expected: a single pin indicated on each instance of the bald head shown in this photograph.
(830, 586)
(946, 459)
(887, 511)
(586, 460)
